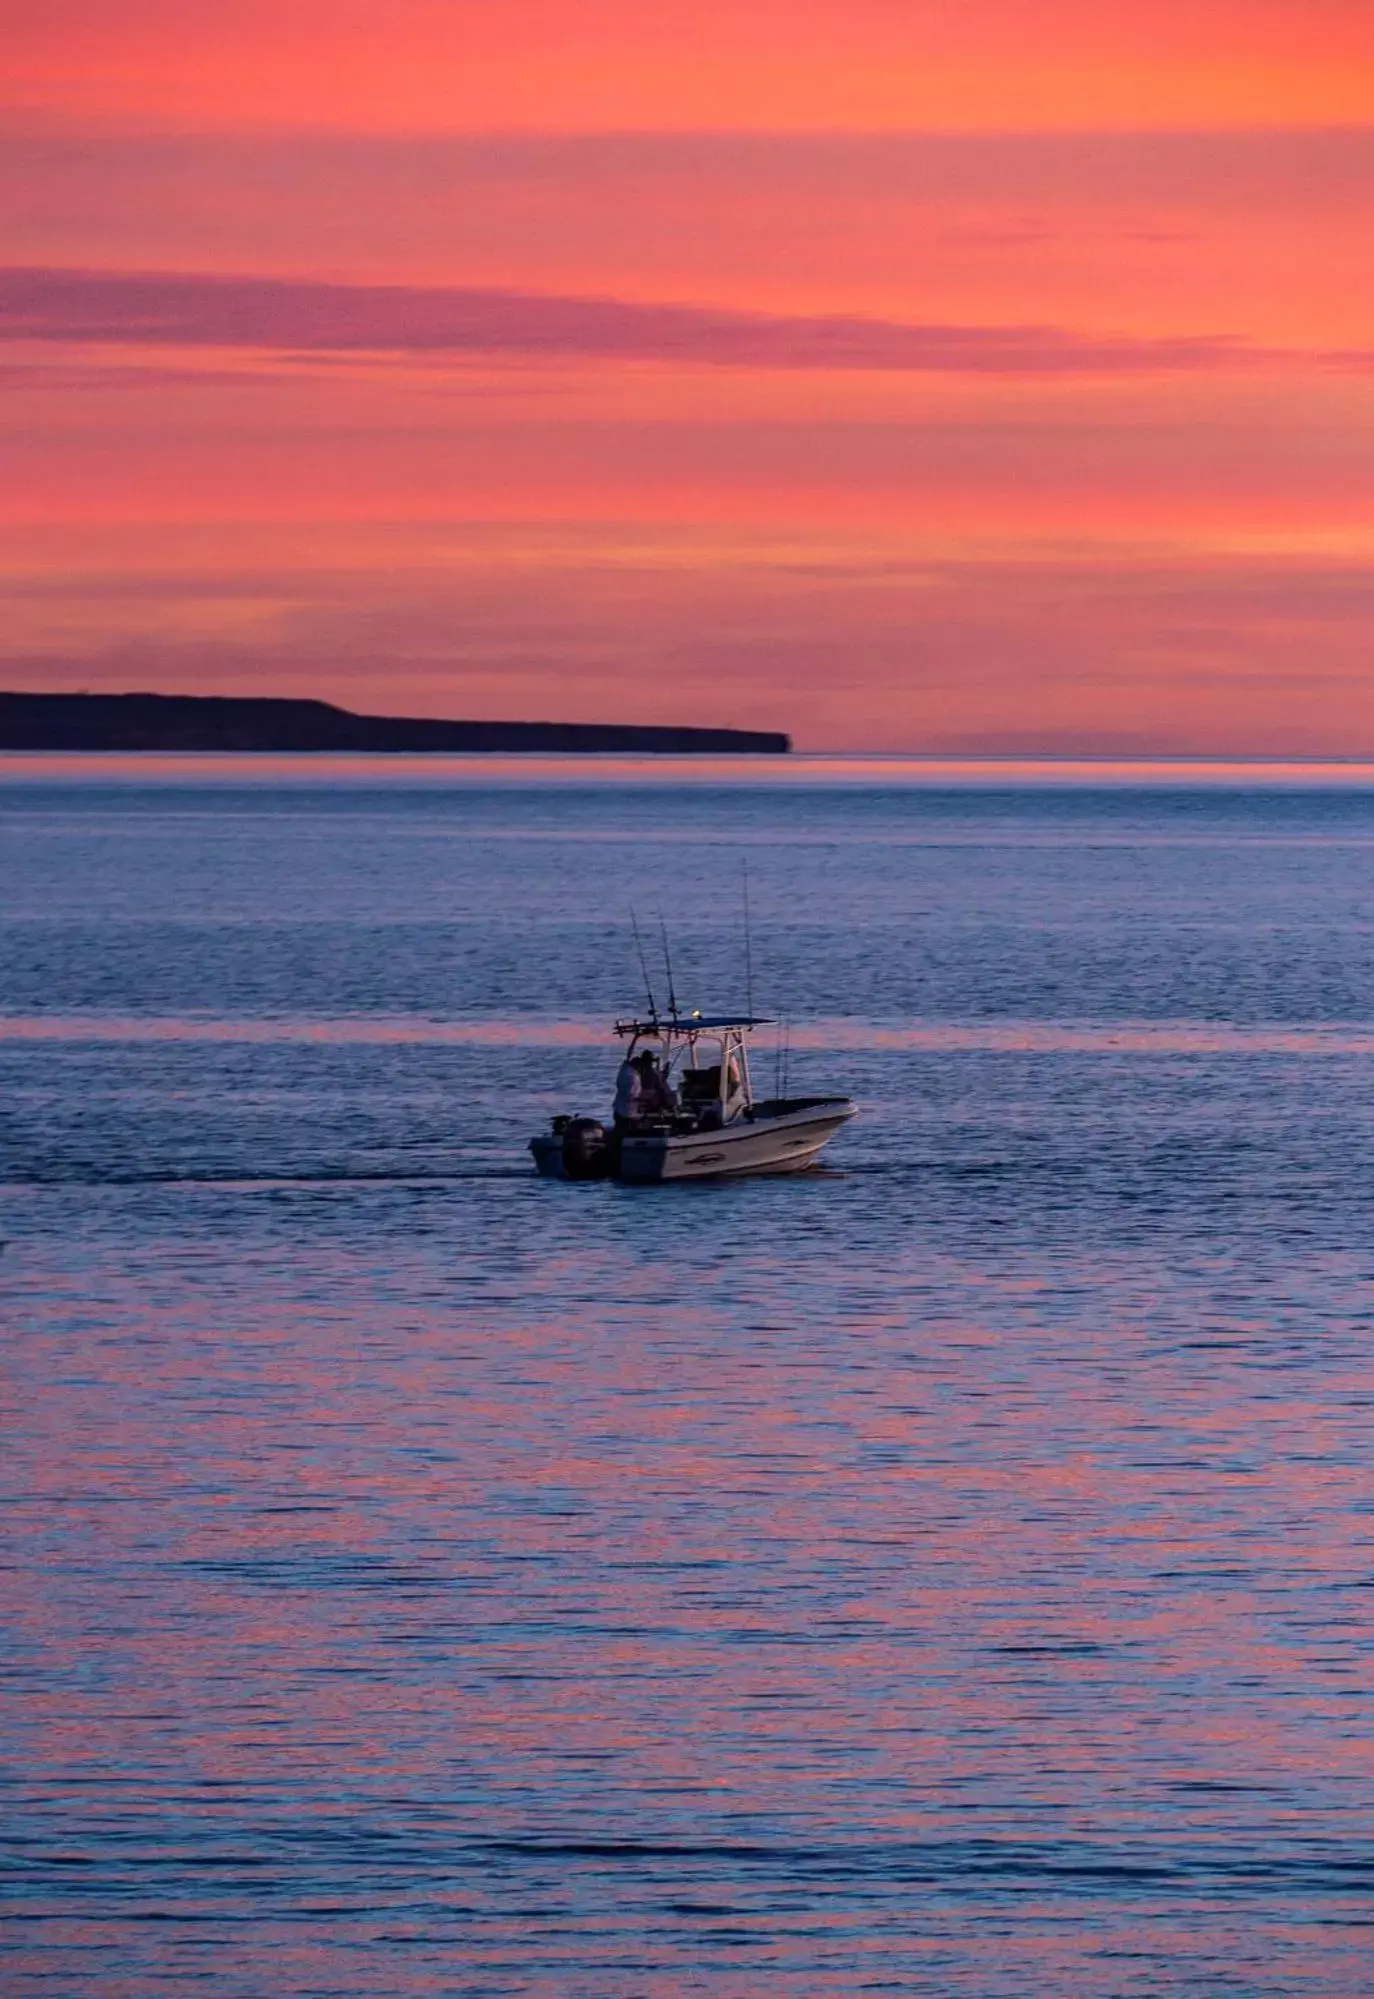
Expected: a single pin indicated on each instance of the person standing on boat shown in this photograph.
(734, 1088)
(628, 1093)
(657, 1097)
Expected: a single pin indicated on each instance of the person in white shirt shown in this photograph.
(627, 1094)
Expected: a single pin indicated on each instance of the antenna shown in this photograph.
(668, 966)
(644, 967)
(748, 946)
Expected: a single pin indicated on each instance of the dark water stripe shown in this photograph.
(1336, 1870)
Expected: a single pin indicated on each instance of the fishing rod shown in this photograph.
(748, 946)
(644, 967)
(668, 967)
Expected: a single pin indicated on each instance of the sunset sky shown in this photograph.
(943, 375)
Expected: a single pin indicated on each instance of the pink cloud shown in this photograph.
(178, 309)
(1150, 233)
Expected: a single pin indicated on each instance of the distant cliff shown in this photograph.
(233, 723)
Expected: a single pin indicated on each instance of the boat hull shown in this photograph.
(788, 1142)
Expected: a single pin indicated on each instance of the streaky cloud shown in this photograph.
(197, 310)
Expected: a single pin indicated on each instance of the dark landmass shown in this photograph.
(215, 722)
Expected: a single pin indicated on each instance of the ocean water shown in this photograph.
(950, 1573)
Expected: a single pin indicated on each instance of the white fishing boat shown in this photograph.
(703, 1121)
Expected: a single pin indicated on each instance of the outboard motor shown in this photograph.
(586, 1153)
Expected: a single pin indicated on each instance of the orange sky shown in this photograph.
(905, 373)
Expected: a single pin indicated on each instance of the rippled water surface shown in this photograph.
(948, 1573)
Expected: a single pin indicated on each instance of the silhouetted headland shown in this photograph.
(239, 723)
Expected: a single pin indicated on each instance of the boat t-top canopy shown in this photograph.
(690, 1023)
